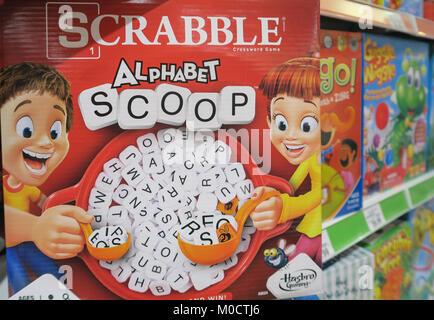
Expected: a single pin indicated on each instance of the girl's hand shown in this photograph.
(267, 214)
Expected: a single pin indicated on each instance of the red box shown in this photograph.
(118, 58)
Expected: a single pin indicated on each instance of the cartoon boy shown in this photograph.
(293, 92)
(36, 116)
(347, 157)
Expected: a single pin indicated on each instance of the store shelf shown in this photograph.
(377, 212)
(364, 14)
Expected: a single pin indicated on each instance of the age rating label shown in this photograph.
(46, 287)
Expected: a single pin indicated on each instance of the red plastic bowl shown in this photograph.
(81, 191)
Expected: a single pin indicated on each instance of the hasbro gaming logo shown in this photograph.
(299, 277)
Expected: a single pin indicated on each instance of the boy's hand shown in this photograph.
(266, 215)
(57, 232)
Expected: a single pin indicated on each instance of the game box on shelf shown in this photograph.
(395, 104)
(341, 123)
(349, 276)
(421, 222)
(392, 255)
(430, 131)
(157, 119)
(414, 7)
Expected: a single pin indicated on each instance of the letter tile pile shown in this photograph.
(167, 184)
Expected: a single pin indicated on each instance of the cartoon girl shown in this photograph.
(293, 114)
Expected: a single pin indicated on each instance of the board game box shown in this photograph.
(414, 7)
(395, 104)
(430, 132)
(161, 149)
(341, 123)
(421, 221)
(392, 251)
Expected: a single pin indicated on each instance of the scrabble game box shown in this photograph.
(161, 150)
(341, 123)
(395, 104)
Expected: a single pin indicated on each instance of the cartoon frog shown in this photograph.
(410, 96)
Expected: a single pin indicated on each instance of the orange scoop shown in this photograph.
(104, 254)
(216, 253)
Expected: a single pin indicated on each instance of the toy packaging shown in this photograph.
(392, 250)
(341, 123)
(421, 221)
(414, 7)
(428, 10)
(162, 150)
(395, 103)
(430, 131)
(349, 276)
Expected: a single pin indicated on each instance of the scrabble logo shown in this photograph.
(78, 30)
(67, 30)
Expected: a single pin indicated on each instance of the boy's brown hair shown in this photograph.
(29, 76)
(298, 78)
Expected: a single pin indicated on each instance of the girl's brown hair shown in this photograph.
(298, 78)
(29, 76)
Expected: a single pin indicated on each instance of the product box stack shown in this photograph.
(349, 276)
